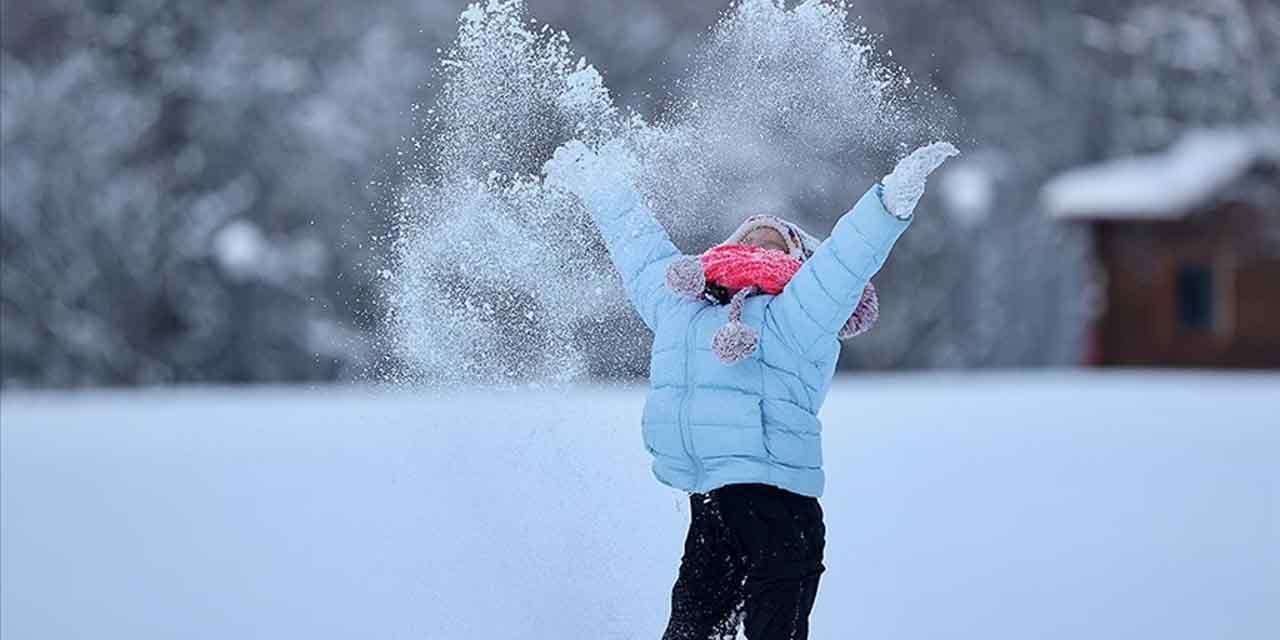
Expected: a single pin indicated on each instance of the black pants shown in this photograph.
(753, 556)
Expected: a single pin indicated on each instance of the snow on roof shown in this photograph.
(1161, 186)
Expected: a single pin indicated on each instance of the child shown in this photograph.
(731, 416)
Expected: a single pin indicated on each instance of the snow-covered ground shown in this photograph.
(986, 507)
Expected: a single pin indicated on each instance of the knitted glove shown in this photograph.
(597, 178)
(905, 186)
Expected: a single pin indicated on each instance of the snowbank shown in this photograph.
(1161, 186)
(1059, 506)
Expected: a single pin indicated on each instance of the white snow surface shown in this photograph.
(1162, 186)
(1009, 506)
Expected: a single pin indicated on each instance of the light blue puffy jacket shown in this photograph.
(708, 424)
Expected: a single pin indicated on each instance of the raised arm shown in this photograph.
(638, 245)
(824, 293)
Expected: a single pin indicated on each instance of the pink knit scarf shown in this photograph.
(736, 267)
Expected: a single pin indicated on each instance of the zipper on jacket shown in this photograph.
(686, 435)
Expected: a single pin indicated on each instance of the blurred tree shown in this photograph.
(1184, 64)
(185, 185)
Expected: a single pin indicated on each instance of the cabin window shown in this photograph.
(1195, 298)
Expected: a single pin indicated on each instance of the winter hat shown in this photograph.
(729, 273)
(800, 243)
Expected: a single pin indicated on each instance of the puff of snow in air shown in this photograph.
(498, 278)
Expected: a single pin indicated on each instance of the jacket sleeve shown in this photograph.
(639, 248)
(821, 296)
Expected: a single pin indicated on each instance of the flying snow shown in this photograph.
(499, 279)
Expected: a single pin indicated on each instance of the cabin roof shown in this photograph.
(1167, 185)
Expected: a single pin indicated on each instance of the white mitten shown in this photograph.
(905, 186)
(596, 178)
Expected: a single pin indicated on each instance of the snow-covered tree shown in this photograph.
(185, 185)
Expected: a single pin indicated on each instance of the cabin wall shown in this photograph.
(1201, 292)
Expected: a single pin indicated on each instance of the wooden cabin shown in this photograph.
(1187, 247)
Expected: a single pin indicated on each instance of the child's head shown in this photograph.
(762, 253)
(772, 232)
(761, 256)
(765, 238)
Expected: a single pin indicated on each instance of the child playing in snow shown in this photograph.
(745, 344)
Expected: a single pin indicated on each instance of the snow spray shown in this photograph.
(498, 280)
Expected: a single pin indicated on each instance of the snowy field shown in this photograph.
(984, 507)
